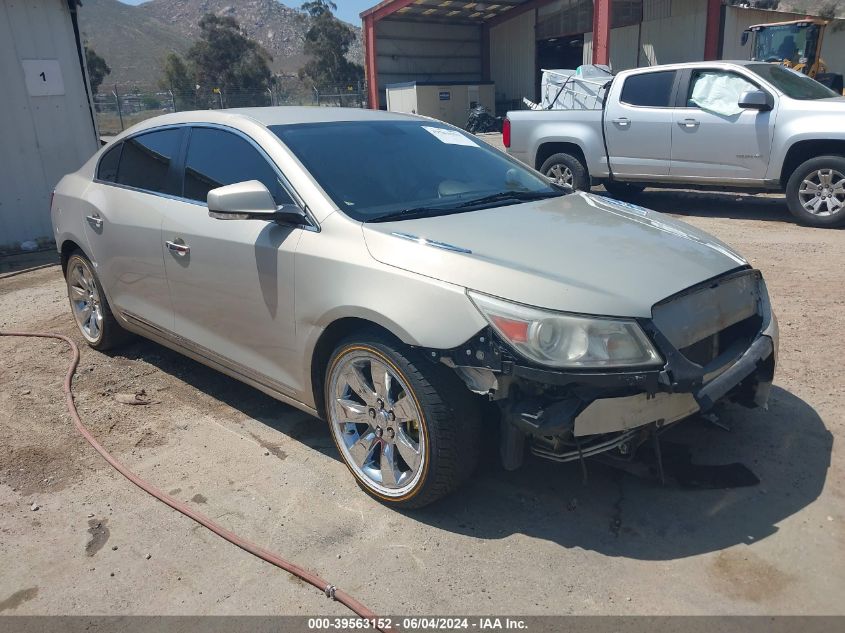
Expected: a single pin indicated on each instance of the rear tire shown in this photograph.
(623, 190)
(90, 308)
(815, 192)
(408, 431)
(566, 169)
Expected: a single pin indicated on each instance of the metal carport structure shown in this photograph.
(449, 40)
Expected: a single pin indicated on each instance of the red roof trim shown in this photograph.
(385, 8)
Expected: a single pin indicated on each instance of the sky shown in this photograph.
(347, 10)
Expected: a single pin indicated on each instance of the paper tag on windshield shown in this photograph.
(452, 137)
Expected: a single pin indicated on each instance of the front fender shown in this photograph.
(337, 278)
(797, 127)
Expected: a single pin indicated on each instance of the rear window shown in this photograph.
(145, 161)
(652, 90)
(107, 171)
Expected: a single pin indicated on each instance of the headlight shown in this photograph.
(567, 340)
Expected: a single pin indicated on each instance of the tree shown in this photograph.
(179, 80)
(327, 43)
(225, 58)
(97, 68)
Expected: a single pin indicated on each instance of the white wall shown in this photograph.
(420, 51)
(623, 47)
(671, 31)
(737, 20)
(402, 100)
(513, 57)
(678, 38)
(43, 137)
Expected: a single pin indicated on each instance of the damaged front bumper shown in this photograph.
(726, 353)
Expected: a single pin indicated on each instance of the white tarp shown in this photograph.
(566, 89)
(719, 92)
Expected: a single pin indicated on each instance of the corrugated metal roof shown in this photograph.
(452, 11)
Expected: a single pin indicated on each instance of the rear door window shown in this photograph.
(146, 159)
(107, 170)
(217, 158)
(650, 90)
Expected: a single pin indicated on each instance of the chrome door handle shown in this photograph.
(95, 220)
(689, 123)
(622, 122)
(179, 249)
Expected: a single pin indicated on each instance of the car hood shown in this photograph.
(832, 104)
(577, 253)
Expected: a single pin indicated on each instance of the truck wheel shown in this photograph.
(566, 169)
(622, 190)
(815, 192)
(408, 431)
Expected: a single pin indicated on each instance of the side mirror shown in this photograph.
(743, 40)
(250, 200)
(756, 100)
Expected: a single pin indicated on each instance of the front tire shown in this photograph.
(406, 429)
(815, 192)
(568, 170)
(89, 305)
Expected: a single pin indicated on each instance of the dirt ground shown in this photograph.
(536, 541)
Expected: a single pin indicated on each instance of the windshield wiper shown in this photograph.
(519, 196)
(414, 212)
(432, 211)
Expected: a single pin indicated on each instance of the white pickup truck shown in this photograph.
(735, 125)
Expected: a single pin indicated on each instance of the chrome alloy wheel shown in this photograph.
(85, 300)
(561, 175)
(822, 192)
(376, 423)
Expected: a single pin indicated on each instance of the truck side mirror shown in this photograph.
(743, 40)
(756, 100)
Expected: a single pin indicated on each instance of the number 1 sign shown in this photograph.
(43, 77)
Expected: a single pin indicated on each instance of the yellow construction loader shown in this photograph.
(796, 44)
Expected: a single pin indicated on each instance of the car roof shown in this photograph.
(267, 116)
(706, 64)
(289, 115)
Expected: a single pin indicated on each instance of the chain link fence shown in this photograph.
(121, 107)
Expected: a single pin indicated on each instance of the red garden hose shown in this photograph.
(330, 590)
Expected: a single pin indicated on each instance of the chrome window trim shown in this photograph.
(313, 225)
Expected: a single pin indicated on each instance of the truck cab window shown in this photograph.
(650, 90)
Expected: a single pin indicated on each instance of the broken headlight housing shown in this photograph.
(562, 340)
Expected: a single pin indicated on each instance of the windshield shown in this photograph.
(380, 169)
(795, 43)
(792, 83)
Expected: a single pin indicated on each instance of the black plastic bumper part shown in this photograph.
(759, 352)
